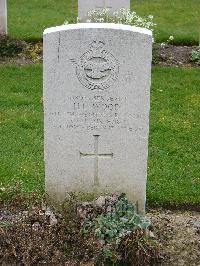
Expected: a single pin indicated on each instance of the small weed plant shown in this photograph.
(196, 55)
(119, 222)
(10, 47)
(122, 231)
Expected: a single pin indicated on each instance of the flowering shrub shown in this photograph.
(122, 16)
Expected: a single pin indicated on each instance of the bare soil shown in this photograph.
(37, 236)
(179, 235)
(170, 55)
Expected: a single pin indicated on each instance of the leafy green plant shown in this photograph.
(196, 55)
(121, 221)
(10, 47)
(122, 235)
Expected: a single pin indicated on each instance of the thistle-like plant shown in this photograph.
(122, 220)
(121, 235)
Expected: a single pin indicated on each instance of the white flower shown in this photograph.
(122, 16)
(171, 38)
(162, 44)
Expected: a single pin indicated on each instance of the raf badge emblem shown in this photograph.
(97, 69)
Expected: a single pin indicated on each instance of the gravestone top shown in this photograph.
(96, 106)
(84, 6)
(97, 26)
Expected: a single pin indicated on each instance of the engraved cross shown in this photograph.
(104, 5)
(96, 156)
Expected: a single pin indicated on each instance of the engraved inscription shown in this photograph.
(97, 69)
(98, 112)
(96, 156)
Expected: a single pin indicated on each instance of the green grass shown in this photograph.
(174, 154)
(180, 18)
(21, 126)
(28, 19)
(174, 165)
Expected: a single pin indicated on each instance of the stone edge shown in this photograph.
(97, 26)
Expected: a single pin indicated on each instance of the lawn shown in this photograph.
(21, 126)
(180, 18)
(174, 154)
(174, 158)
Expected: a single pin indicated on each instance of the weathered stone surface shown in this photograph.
(84, 6)
(3, 17)
(96, 104)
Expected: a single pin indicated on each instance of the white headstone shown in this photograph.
(3, 17)
(96, 103)
(84, 6)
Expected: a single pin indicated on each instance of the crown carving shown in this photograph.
(97, 45)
